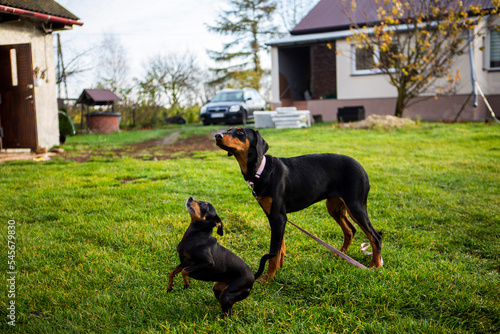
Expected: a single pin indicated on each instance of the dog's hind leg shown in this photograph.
(337, 209)
(185, 277)
(174, 272)
(218, 289)
(234, 292)
(358, 213)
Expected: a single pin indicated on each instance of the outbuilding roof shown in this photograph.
(97, 97)
(49, 7)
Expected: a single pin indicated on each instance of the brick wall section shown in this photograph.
(105, 123)
(324, 82)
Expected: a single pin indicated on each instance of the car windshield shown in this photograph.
(228, 96)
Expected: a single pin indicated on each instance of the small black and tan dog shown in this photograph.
(203, 258)
(284, 185)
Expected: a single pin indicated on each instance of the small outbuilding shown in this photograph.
(104, 120)
(28, 99)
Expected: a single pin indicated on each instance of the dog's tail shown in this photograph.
(262, 264)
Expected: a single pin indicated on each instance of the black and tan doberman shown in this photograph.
(203, 258)
(284, 185)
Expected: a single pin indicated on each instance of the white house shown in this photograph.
(315, 68)
(28, 99)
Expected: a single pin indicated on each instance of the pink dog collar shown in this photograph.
(259, 171)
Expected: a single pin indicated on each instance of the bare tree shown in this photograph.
(112, 64)
(78, 63)
(174, 76)
(293, 11)
(210, 85)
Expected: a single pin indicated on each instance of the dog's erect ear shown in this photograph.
(261, 145)
(220, 229)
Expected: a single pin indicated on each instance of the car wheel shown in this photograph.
(206, 123)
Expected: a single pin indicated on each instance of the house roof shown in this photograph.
(97, 96)
(49, 7)
(330, 15)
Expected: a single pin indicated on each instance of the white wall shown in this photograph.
(351, 86)
(42, 48)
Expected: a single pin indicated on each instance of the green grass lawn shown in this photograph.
(95, 240)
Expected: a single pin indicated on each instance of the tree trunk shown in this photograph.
(400, 106)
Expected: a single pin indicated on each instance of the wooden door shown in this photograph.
(17, 107)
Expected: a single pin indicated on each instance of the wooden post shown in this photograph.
(81, 119)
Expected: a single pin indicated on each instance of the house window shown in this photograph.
(366, 59)
(494, 54)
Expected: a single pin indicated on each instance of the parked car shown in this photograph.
(232, 106)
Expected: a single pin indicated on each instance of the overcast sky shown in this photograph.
(144, 28)
(147, 28)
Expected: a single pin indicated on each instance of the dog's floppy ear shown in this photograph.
(261, 145)
(220, 228)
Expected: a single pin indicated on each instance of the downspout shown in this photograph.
(44, 17)
(475, 85)
(472, 71)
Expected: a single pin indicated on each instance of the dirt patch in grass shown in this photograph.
(168, 147)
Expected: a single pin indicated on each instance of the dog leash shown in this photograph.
(336, 251)
(364, 247)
